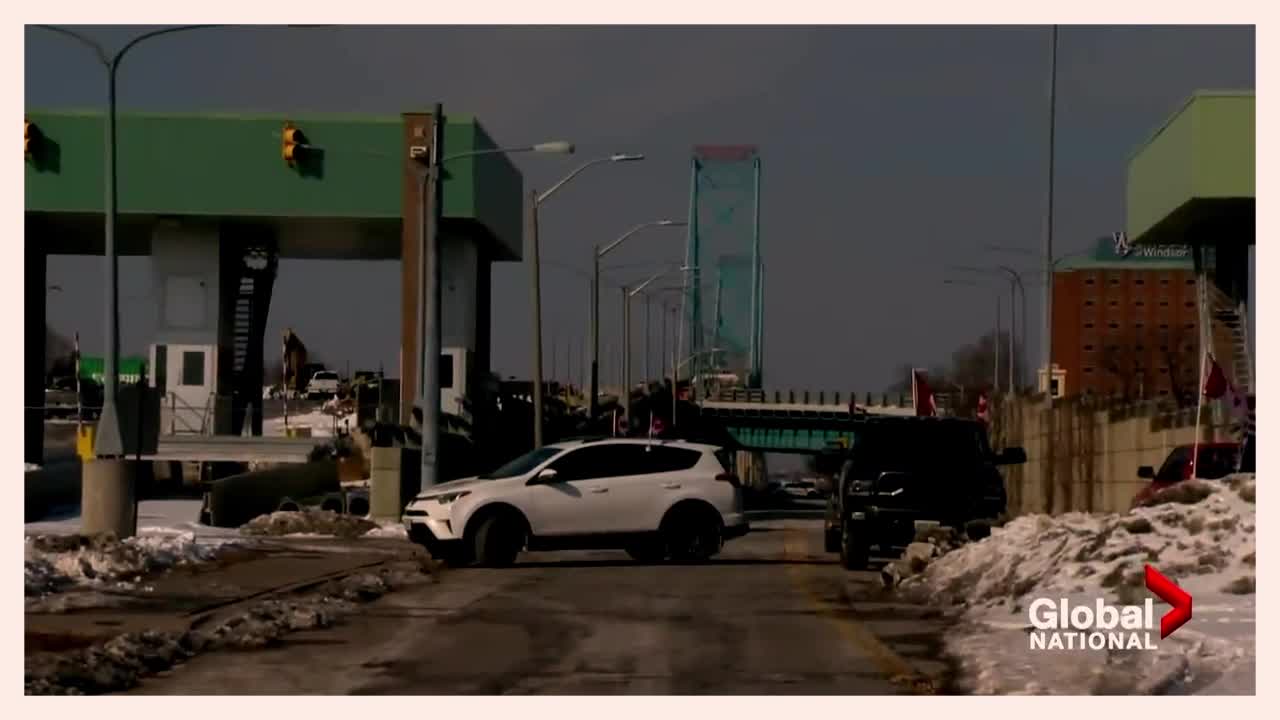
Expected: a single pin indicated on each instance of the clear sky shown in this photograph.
(888, 153)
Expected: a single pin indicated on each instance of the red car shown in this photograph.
(1213, 461)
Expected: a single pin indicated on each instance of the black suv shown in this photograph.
(900, 473)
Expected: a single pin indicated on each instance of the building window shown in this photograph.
(1114, 303)
(193, 368)
(1164, 326)
(1088, 371)
(1139, 281)
(1189, 326)
(1189, 304)
(1089, 280)
(1139, 348)
(1115, 281)
(1164, 348)
(1164, 392)
(1164, 303)
(1191, 282)
(1088, 326)
(1088, 303)
(1088, 348)
(1114, 326)
(1164, 371)
(1139, 303)
(1164, 281)
(1138, 326)
(1190, 348)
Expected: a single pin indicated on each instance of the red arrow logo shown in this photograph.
(1166, 590)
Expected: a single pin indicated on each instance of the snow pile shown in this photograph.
(309, 522)
(1200, 534)
(55, 563)
(322, 424)
(396, 531)
(122, 661)
(32, 467)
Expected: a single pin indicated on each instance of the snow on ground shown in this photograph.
(1202, 536)
(323, 423)
(32, 467)
(56, 563)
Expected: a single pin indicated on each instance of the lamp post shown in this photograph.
(429, 282)
(109, 442)
(535, 269)
(627, 294)
(1015, 287)
(995, 352)
(598, 253)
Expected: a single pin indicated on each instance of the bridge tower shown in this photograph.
(724, 247)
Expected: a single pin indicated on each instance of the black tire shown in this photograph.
(693, 534)
(855, 553)
(498, 540)
(647, 551)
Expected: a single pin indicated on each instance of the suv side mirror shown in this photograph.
(1011, 456)
(544, 477)
(1146, 472)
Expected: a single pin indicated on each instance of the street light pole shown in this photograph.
(535, 267)
(1050, 435)
(430, 340)
(597, 253)
(626, 357)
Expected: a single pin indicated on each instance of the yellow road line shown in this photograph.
(888, 662)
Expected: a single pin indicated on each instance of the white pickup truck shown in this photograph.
(324, 384)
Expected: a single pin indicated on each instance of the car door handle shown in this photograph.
(671, 485)
(599, 490)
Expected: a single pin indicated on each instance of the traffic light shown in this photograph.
(292, 143)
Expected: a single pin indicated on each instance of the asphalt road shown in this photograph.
(771, 615)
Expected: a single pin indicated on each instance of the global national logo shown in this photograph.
(1058, 624)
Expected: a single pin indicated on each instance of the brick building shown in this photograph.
(1125, 322)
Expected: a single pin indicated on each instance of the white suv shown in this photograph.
(323, 384)
(654, 499)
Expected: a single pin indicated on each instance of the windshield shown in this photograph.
(325, 376)
(912, 447)
(523, 464)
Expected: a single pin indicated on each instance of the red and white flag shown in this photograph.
(984, 408)
(922, 394)
(1218, 387)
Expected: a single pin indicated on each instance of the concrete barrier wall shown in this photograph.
(1095, 452)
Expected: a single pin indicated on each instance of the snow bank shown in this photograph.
(55, 563)
(32, 467)
(312, 523)
(1200, 534)
(120, 663)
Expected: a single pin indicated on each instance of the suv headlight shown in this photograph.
(450, 497)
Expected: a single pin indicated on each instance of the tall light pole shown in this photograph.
(535, 282)
(596, 254)
(430, 339)
(1050, 435)
(1015, 286)
(109, 442)
(995, 352)
(627, 294)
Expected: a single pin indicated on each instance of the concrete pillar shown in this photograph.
(107, 499)
(384, 483)
(35, 295)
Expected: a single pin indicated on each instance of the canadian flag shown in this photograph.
(922, 394)
(984, 408)
(1218, 387)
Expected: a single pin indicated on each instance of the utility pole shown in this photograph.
(626, 356)
(429, 328)
(1047, 340)
(535, 282)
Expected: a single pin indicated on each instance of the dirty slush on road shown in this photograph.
(102, 614)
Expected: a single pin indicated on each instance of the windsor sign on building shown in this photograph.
(1122, 249)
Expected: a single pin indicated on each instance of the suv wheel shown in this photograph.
(854, 551)
(498, 541)
(692, 535)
